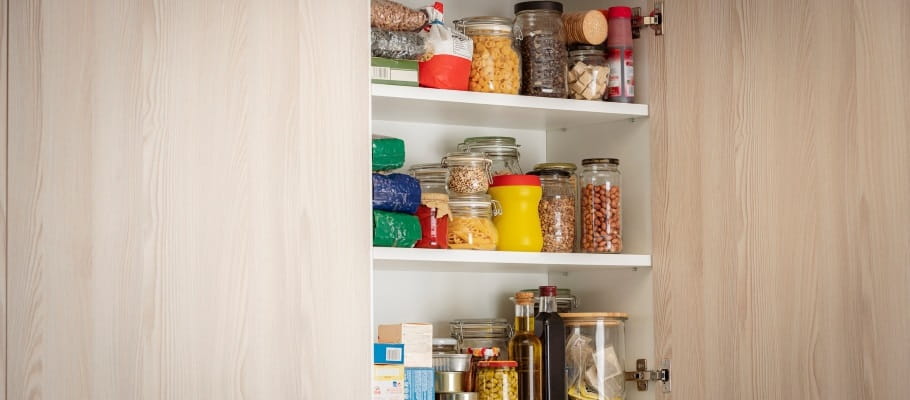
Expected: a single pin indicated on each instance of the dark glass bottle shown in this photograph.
(525, 348)
(551, 330)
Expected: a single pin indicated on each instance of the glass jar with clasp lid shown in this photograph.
(503, 152)
(472, 225)
(469, 172)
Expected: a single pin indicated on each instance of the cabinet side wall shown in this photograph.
(780, 199)
(188, 200)
(4, 62)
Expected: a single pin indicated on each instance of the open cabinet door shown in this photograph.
(187, 200)
(781, 198)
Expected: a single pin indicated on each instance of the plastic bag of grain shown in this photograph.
(450, 66)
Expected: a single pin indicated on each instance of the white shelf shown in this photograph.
(388, 258)
(455, 107)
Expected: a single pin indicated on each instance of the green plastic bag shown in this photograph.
(388, 153)
(395, 229)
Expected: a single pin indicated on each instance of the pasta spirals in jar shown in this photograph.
(472, 226)
(495, 67)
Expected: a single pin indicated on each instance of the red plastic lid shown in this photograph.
(497, 364)
(516, 180)
(619, 12)
(548, 291)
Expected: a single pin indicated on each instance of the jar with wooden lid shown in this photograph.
(495, 67)
(595, 355)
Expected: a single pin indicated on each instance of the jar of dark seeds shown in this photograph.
(469, 173)
(541, 39)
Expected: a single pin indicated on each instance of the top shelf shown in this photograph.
(455, 107)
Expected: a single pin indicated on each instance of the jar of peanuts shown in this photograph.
(495, 66)
(469, 173)
(601, 206)
(556, 210)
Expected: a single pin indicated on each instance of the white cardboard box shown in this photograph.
(388, 382)
(417, 339)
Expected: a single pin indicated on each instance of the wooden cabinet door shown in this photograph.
(781, 187)
(186, 200)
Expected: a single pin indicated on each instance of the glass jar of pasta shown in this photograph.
(472, 226)
(495, 66)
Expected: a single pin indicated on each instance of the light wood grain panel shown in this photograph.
(188, 199)
(781, 192)
(4, 61)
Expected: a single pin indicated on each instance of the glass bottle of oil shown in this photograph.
(525, 348)
(549, 327)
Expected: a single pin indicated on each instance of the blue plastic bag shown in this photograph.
(396, 193)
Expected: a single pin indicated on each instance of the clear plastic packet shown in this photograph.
(391, 16)
(399, 45)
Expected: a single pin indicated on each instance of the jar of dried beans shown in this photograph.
(495, 66)
(601, 206)
(472, 225)
(433, 212)
(469, 173)
(557, 210)
(541, 38)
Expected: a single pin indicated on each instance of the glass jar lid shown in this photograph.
(592, 161)
(497, 364)
(464, 156)
(594, 318)
(494, 150)
(585, 50)
(538, 6)
(571, 168)
(433, 172)
(495, 24)
(484, 328)
(550, 173)
(491, 140)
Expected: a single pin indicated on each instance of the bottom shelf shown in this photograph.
(387, 258)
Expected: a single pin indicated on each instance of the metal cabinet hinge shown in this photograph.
(654, 20)
(641, 376)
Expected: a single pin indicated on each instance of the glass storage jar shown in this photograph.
(504, 158)
(445, 346)
(432, 177)
(595, 355)
(556, 210)
(471, 226)
(601, 206)
(541, 39)
(565, 300)
(487, 140)
(469, 173)
(490, 333)
(433, 212)
(495, 66)
(588, 73)
(497, 380)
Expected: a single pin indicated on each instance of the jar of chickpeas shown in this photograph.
(497, 380)
(495, 67)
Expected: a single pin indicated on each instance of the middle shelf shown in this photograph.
(387, 258)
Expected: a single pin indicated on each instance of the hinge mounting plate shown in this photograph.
(654, 20)
(641, 376)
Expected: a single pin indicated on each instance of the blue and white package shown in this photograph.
(396, 193)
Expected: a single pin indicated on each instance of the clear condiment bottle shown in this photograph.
(526, 349)
(621, 86)
(551, 330)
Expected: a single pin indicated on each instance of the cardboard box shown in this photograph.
(393, 72)
(388, 382)
(388, 353)
(419, 384)
(417, 339)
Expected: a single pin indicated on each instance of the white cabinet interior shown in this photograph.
(409, 292)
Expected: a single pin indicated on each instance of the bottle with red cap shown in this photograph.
(621, 83)
(519, 223)
(551, 331)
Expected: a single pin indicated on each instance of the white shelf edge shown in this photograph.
(595, 261)
(508, 100)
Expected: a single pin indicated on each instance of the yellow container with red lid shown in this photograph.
(519, 223)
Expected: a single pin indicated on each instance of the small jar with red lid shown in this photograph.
(519, 223)
(497, 380)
